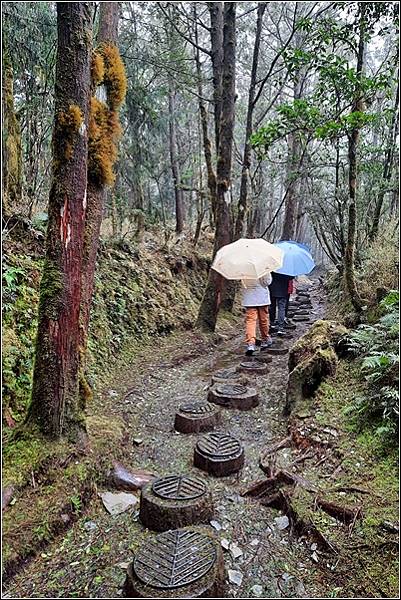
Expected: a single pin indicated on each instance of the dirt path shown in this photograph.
(89, 560)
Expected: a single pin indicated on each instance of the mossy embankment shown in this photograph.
(141, 293)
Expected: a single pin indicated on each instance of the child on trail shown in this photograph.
(256, 299)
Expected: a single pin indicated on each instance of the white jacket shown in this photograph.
(255, 292)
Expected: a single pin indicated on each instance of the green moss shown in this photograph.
(51, 286)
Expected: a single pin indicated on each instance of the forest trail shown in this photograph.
(89, 560)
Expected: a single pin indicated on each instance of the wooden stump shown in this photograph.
(277, 350)
(254, 366)
(196, 417)
(301, 318)
(219, 454)
(234, 396)
(182, 509)
(211, 584)
(231, 376)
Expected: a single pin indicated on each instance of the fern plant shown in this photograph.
(376, 346)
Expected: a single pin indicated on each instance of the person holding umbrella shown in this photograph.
(297, 260)
(251, 261)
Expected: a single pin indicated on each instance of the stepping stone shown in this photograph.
(219, 454)
(290, 326)
(253, 366)
(261, 357)
(302, 312)
(229, 376)
(175, 501)
(181, 563)
(234, 396)
(196, 417)
(277, 349)
(302, 318)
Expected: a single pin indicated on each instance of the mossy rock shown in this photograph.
(312, 358)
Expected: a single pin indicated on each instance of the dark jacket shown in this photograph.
(279, 285)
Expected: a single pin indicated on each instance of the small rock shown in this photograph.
(315, 557)
(123, 565)
(116, 504)
(216, 525)
(255, 542)
(286, 577)
(6, 496)
(113, 393)
(65, 518)
(225, 543)
(137, 441)
(257, 591)
(124, 479)
(313, 547)
(235, 577)
(282, 522)
(235, 551)
(90, 526)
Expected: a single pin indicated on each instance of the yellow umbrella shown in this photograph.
(247, 259)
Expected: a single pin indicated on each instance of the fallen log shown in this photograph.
(345, 514)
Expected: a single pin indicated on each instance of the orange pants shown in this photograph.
(254, 314)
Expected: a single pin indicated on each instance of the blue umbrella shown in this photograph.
(304, 246)
(297, 259)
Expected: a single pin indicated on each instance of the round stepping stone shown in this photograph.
(196, 417)
(253, 366)
(302, 312)
(181, 563)
(234, 396)
(301, 318)
(219, 454)
(228, 376)
(277, 350)
(175, 501)
(261, 357)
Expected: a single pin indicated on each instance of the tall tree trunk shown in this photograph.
(11, 143)
(387, 168)
(246, 162)
(353, 138)
(175, 168)
(55, 406)
(292, 186)
(217, 56)
(100, 176)
(211, 301)
(207, 146)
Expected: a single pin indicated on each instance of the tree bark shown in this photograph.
(217, 56)
(207, 146)
(246, 162)
(11, 143)
(107, 34)
(353, 138)
(175, 168)
(55, 406)
(211, 301)
(387, 169)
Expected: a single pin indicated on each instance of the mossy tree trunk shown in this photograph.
(11, 145)
(109, 76)
(353, 139)
(214, 291)
(174, 162)
(55, 406)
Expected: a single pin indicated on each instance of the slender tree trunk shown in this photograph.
(175, 168)
(217, 56)
(207, 146)
(291, 200)
(387, 169)
(97, 187)
(246, 162)
(55, 406)
(11, 143)
(211, 301)
(349, 258)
